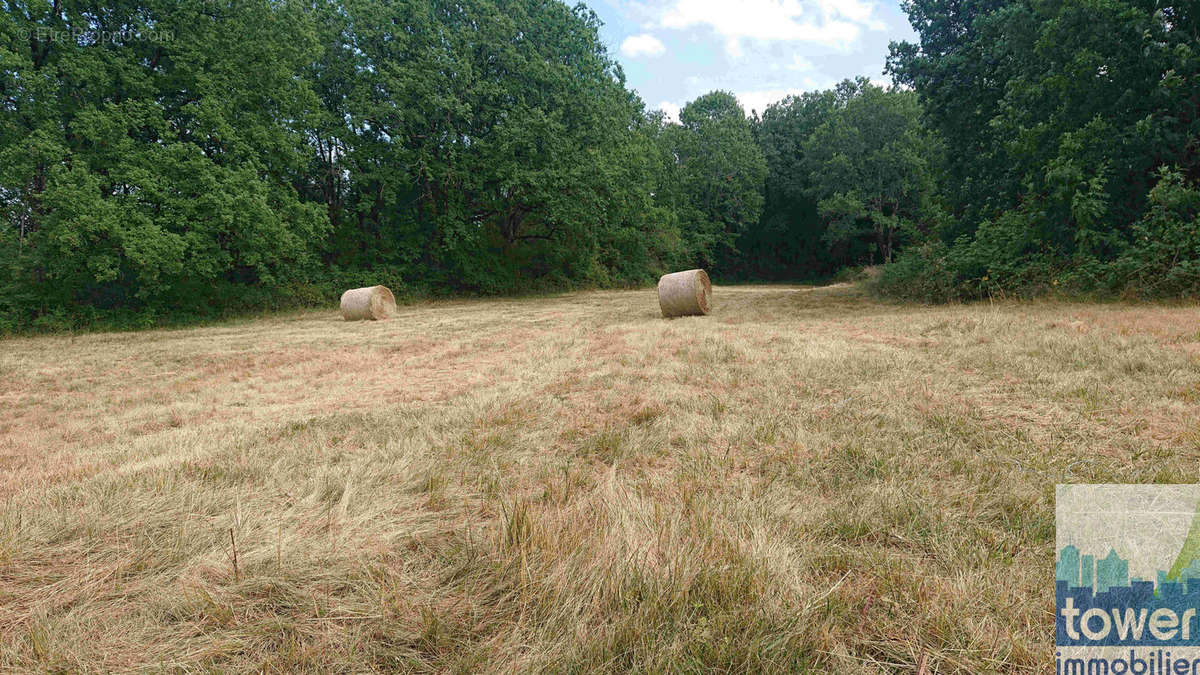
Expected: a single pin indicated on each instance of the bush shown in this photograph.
(1164, 258)
(920, 273)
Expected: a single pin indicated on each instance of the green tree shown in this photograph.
(852, 177)
(487, 146)
(720, 172)
(148, 149)
(1057, 116)
(871, 167)
(788, 241)
(163, 157)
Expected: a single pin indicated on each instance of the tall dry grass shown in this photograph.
(805, 480)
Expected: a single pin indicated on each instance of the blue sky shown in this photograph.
(761, 50)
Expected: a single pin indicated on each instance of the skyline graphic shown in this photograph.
(1127, 577)
(1151, 527)
(1080, 570)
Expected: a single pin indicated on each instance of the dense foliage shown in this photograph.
(852, 178)
(177, 159)
(146, 154)
(719, 171)
(166, 158)
(1072, 129)
(486, 146)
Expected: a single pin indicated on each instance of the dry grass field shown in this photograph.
(806, 480)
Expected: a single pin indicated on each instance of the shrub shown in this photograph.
(920, 273)
(1164, 258)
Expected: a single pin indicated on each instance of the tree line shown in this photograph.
(1071, 131)
(163, 159)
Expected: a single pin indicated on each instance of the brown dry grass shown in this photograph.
(806, 479)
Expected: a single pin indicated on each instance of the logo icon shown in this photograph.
(1127, 579)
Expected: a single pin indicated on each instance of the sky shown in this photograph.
(761, 50)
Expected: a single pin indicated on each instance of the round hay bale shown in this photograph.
(684, 293)
(372, 302)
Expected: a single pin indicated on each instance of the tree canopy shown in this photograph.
(721, 171)
(173, 159)
(1060, 119)
(138, 170)
(852, 178)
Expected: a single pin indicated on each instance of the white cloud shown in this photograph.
(643, 44)
(826, 22)
(671, 110)
(801, 64)
(759, 100)
(862, 13)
